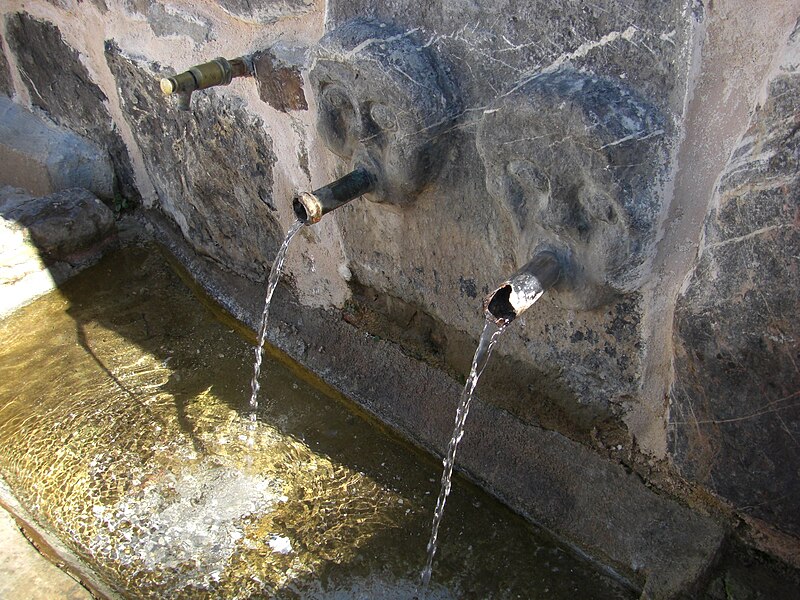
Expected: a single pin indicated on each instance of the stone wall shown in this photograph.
(668, 348)
(735, 421)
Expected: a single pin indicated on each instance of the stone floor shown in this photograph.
(26, 574)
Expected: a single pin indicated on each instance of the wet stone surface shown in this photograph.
(125, 431)
(211, 167)
(60, 84)
(540, 396)
(735, 418)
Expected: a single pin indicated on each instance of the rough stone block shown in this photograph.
(172, 20)
(212, 167)
(44, 241)
(61, 224)
(581, 364)
(735, 414)
(578, 162)
(60, 84)
(43, 158)
(25, 573)
(384, 101)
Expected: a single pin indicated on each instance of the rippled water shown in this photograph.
(123, 428)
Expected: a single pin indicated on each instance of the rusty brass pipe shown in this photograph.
(310, 207)
(219, 71)
(518, 293)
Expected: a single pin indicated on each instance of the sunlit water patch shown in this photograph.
(123, 428)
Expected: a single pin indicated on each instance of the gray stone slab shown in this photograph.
(581, 361)
(43, 158)
(735, 417)
(173, 22)
(24, 573)
(60, 84)
(61, 224)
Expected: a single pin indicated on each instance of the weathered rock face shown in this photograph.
(280, 82)
(578, 354)
(6, 85)
(735, 419)
(60, 84)
(582, 180)
(266, 11)
(42, 158)
(212, 168)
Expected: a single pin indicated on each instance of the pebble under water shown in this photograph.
(124, 430)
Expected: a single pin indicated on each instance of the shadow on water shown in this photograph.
(179, 394)
(122, 424)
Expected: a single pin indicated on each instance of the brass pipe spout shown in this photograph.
(219, 71)
(310, 207)
(518, 293)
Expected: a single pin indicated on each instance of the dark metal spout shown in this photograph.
(310, 207)
(523, 288)
(219, 71)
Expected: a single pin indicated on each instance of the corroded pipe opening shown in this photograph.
(310, 207)
(523, 288)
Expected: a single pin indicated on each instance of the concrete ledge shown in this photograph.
(29, 575)
(659, 546)
(42, 158)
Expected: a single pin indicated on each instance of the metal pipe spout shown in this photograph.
(310, 207)
(219, 71)
(518, 293)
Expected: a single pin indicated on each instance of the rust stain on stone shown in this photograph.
(279, 85)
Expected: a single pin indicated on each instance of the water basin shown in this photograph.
(124, 431)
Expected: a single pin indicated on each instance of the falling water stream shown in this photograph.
(272, 282)
(491, 333)
(121, 431)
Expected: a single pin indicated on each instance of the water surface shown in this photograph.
(123, 428)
